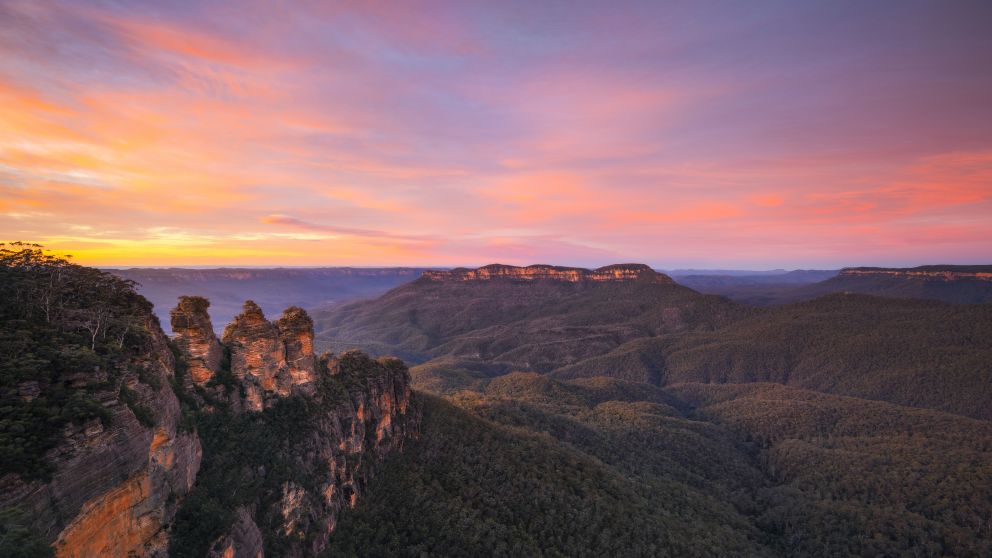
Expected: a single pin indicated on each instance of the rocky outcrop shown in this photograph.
(355, 434)
(243, 541)
(302, 482)
(296, 333)
(195, 336)
(104, 430)
(352, 411)
(116, 483)
(270, 359)
(934, 273)
(616, 272)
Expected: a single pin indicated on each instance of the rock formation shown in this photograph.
(616, 272)
(355, 412)
(117, 483)
(933, 273)
(195, 336)
(244, 540)
(347, 436)
(271, 359)
(296, 332)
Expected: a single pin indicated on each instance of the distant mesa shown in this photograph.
(613, 273)
(935, 272)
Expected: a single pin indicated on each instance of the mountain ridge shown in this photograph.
(539, 272)
(459, 333)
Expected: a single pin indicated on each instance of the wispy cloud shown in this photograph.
(460, 132)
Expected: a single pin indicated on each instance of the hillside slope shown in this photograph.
(954, 284)
(911, 352)
(947, 283)
(521, 323)
(528, 465)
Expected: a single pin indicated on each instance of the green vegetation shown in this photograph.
(18, 540)
(472, 487)
(879, 479)
(447, 375)
(911, 352)
(248, 458)
(66, 332)
(532, 466)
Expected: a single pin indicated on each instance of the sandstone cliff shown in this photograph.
(350, 429)
(195, 337)
(116, 482)
(271, 359)
(617, 272)
(295, 443)
(286, 441)
(933, 273)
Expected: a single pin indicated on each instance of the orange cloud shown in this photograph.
(389, 134)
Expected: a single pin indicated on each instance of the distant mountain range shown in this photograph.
(638, 417)
(272, 289)
(555, 412)
(948, 283)
(463, 328)
(276, 288)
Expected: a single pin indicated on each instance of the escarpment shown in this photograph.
(932, 273)
(116, 441)
(289, 440)
(116, 479)
(616, 272)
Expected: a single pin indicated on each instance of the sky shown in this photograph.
(679, 134)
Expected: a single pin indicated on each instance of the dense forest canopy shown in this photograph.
(529, 465)
(64, 331)
(557, 420)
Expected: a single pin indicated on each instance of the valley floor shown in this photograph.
(532, 466)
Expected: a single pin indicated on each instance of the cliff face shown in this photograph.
(286, 466)
(271, 359)
(935, 273)
(195, 336)
(617, 272)
(332, 461)
(110, 434)
(116, 483)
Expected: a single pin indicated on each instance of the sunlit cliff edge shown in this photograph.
(616, 272)
(931, 272)
(132, 483)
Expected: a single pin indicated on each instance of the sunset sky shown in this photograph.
(678, 134)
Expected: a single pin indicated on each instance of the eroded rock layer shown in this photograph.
(120, 484)
(271, 359)
(307, 470)
(117, 483)
(616, 272)
(195, 336)
(933, 273)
